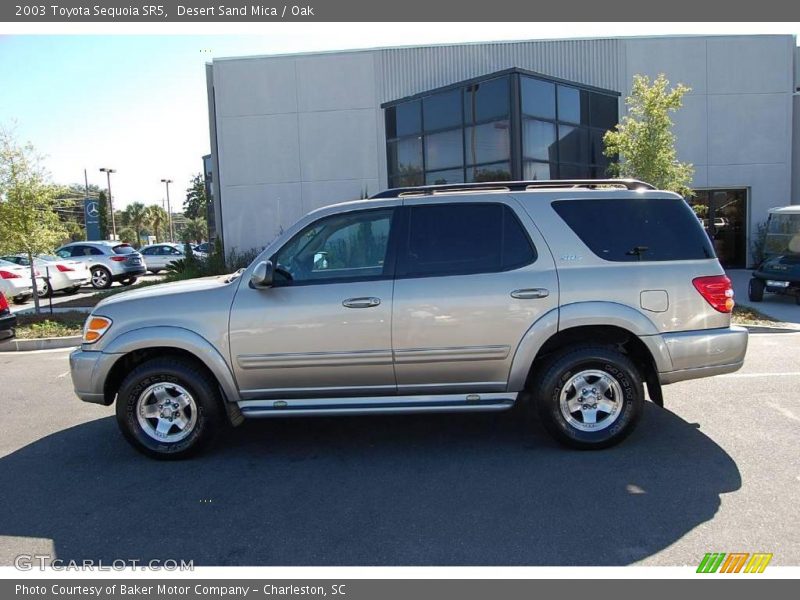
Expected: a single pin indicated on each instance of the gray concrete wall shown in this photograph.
(298, 132)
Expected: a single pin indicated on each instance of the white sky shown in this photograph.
(133, 96)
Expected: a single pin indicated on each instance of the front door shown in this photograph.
(324, 328)
(469, 284)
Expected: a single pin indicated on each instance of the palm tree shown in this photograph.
(195, 230)
(157, 219)
(135, 216)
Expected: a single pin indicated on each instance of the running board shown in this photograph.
(385, 405)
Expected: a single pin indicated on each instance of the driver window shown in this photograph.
(345, 246)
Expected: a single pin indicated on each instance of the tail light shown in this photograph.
(8, 275)
(3, 302)
(63, 268)
(717, 290)
(119, 258)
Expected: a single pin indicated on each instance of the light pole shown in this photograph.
(108, 173)
(166, 182)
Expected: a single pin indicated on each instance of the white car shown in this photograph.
(158, 256)
(59, 275)
(15, 281)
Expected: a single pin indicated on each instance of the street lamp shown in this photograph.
(108, 173)
(166, 182)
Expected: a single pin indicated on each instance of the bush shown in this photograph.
(215, 264)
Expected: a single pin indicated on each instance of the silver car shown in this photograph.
(159, 256)
(577, 298)
(107, 261)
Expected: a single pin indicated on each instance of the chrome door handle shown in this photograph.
(361, 302)
(530, 293)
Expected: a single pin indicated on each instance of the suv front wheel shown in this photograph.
(168, 408)
(589, 397)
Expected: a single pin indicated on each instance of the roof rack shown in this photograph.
(512, 186)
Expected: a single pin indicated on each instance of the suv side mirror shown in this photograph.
(261, 278)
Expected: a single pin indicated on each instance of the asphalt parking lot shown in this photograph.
(716, 470)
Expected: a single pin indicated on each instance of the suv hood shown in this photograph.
(166, 290)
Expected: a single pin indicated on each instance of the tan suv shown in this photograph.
(570, 295)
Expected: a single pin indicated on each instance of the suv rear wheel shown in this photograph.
(588, 397)
(168, 408)
(755, 290)
(101, 278)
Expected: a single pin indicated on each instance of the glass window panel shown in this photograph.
(486, 100)
(536, 171)
(349, 245)
(573, 144)
(538, 140)
(443, 110)
(494, 172)
(569, 104)
(444, 150)
(489, 142)
(403, 119)
(604, 111)
(405, 157)
(596, 146)
(442, 177)
(538, 97)
(573, 171)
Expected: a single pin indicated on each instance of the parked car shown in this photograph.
(779, 272)
(7, 321)
(567, 296)
(107, 261)
(204, 249)
(59, 275)
(159, 256)
(15, 281)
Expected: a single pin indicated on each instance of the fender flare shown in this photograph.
(581, 314)
(165, 336)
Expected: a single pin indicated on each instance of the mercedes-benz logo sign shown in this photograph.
(92, 209)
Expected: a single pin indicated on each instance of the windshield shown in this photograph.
(123, 249)
(783, 234)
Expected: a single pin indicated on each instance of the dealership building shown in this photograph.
(292, 133)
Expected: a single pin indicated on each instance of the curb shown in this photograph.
(16, 345)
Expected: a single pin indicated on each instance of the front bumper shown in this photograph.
(704, 353)
(89, 371)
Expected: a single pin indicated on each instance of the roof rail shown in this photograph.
(512, 186)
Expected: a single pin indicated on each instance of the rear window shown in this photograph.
(124, 249)
(637, 229)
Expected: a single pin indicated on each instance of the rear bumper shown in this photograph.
(704, 353)
(128, 272)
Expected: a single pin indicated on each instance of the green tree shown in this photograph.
(157, 219)
(644, 141)
(195, 205)
(28, 222)
(195, 230)
(135, 216)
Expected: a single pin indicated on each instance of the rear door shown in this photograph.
(472, 277)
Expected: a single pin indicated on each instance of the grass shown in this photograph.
(45, 325)
(745, 315)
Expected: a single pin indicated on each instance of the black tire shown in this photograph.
(21, 299)
(43, 289)
(171, 372)
(155, 271)
(625, 391)
(129, 281)
(71, 290)
(755, 290)
(101, 278)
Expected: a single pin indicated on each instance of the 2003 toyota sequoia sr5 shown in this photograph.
(568, 295)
